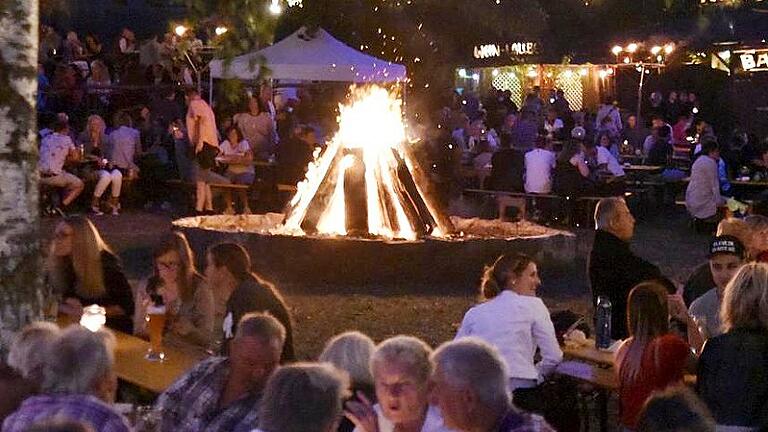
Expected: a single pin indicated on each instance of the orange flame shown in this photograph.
(371, 125)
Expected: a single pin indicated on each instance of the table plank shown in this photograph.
(588, 353)
(605, 378)
(132, 367)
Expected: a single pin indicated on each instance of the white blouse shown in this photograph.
(516, 325)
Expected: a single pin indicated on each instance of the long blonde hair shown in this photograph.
(745, 302)
(95, 121)
(647, 319)
(87, 246)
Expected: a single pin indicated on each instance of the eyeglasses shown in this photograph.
(170, 265)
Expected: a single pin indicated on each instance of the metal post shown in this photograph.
(640, 90)
(210, 87)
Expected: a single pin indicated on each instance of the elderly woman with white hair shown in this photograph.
(401, 370)
(351, 352)
(23, 374)
(79, 383)
(469, 385)
(303, 397)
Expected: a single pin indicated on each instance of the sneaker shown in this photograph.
(96, 211)
(116, 211)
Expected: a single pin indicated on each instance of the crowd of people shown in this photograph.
(497, 375)
(544, 147)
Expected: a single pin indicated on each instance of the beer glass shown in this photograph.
(155, 325)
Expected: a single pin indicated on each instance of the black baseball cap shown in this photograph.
(726, 245)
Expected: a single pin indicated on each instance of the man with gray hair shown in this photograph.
(470, 385)
(79, 384)
(613, 268)
(223, 393)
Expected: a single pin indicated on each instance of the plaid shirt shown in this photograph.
(516, 421)
(192, 403)
(77, 407)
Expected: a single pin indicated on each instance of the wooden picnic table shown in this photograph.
(132, 367)
(750, 183)
(645, 169)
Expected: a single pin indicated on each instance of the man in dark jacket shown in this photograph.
(613, 268)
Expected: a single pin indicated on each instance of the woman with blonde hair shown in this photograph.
(83, 270)
(651, 358)
(94, 141)
(757, 231)
(733, 367)
(351, 352)
(183, 291)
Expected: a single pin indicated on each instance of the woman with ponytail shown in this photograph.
(515, 321)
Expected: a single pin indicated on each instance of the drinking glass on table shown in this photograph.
(156, 316)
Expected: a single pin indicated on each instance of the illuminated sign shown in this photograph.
(753, 60)
(515, 49)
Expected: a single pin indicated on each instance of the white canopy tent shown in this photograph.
(319, 57)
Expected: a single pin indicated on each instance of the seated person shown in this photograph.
(757, 244)
(79, 384)
(605, 159)
(295, 154)
(83, 269)
(55, 150)
(553, 125)
(469, 385)
(701, 280)
(306, 397)
(236, 153)
(228, 268)
(401, 371)
(507, 166)
(125, 147)
(676, 409)
(223, 393)
(184, 293)
(731, 376)
(726, 256)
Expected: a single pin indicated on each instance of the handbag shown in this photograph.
(206, 157)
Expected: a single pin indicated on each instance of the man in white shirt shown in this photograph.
(539, 163)
(607, 160)
(55, 149)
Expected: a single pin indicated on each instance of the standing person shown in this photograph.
(238, 156)
(539, 164)
(204, 139)
(608, 110)
(401, 371)
(94, 142)
(732, 378)
(239, 290)
(702, 196)
(514, 320)
(224, 393)
(125, 146)
(651, 358)
(55, 150)
(185, 294)
(726, 256)
(83, 270)
(469, 385)
(613, 268)
(258, 128)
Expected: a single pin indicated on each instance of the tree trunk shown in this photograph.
(21, 293)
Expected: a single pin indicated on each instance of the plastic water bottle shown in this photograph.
(603, 323)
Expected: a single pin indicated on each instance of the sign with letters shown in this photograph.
(755, 60)
(514, 49)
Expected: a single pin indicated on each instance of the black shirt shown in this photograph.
(506, 171)
(252, 296)
(613, 271)
(733, 378)
(118, 293)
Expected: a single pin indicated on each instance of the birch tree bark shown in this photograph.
(21, 294)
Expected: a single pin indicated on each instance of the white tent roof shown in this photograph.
(318, 58)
